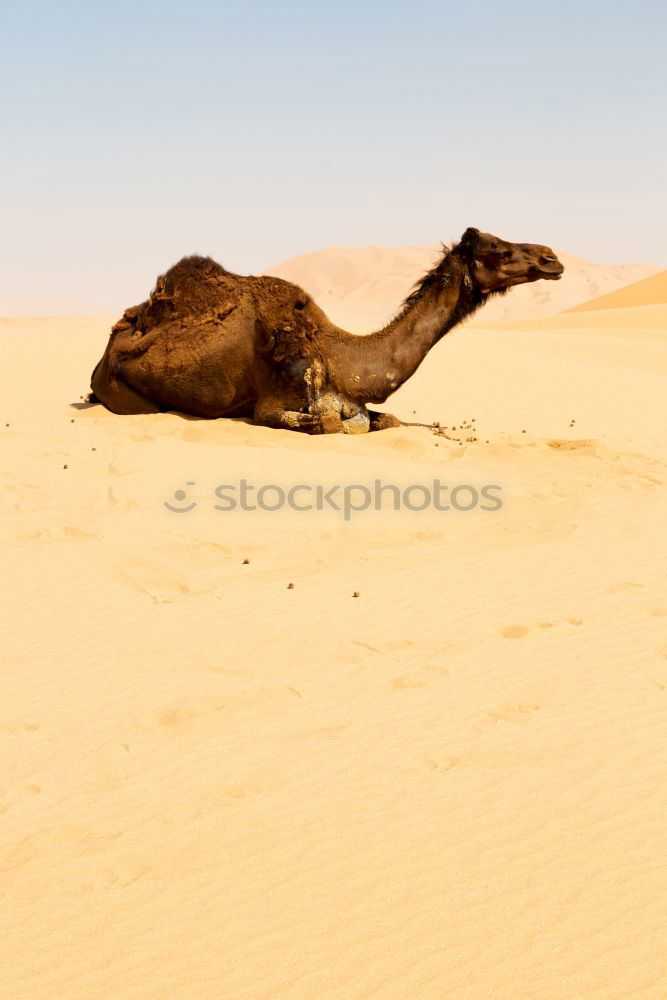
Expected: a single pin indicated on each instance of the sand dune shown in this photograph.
(451, 786)
(360, 288)
(648, 291)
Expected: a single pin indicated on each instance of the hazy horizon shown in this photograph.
(136, 135)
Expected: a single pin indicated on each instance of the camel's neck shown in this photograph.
(371, 368)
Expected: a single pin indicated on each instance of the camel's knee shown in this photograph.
(357, 424)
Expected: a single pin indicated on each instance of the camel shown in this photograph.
(215, 344)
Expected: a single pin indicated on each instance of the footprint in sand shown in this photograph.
(442, 763)
(177, 717)
(407, 682)
(118, 502)
(64, 533)
(519, 712)
(520, 631)
(19, 727)
(515, 631)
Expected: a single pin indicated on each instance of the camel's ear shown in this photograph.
(470, 237)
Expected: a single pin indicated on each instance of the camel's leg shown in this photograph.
(382, 421)
(295, 420)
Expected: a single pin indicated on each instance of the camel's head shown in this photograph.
(496, 265)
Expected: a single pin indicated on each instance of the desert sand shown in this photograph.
(451, 787)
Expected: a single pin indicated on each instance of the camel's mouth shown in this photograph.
(534, 272)
(552, 275)
(552, 272)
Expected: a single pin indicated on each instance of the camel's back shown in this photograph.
(197, 282)
(197, 305)
(196, 287)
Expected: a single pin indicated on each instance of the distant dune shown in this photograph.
(361, 288)
(646, 292)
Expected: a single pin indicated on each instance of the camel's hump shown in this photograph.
(189, 269)
(191, 285)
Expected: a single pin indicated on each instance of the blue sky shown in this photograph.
(133, 133)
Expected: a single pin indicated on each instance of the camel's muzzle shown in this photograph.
(553, 273)
(547, 266)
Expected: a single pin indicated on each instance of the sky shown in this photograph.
(133, 133)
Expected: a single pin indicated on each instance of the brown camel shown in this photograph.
(216, 344)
